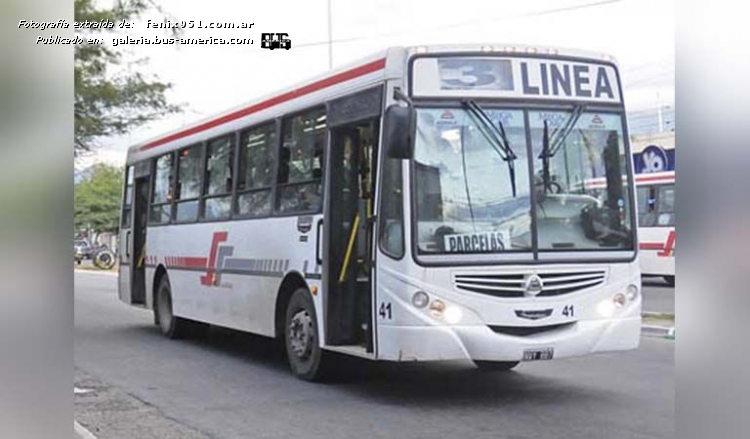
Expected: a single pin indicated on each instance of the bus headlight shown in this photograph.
(437, 307)
(453, 314)
(631, 292)
(606, 308)
(619, 300)
(420, 299)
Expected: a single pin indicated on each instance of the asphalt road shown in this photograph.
(657, 295)
(232, 385)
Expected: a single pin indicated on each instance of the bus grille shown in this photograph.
(514, 285)
(522, 331)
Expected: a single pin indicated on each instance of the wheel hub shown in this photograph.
(301, 334)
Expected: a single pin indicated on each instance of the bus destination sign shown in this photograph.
(534, 78)
(477, 242)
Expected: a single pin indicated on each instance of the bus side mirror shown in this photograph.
(398, 129)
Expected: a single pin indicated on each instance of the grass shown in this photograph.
(658, 316)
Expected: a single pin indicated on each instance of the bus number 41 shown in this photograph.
(568, 311)
(385, 311)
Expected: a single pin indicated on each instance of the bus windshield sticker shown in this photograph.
(477, 242)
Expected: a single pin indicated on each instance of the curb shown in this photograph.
(82, 432)
(658, 331)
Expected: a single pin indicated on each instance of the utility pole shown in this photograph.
(330, 38)
(661, 118)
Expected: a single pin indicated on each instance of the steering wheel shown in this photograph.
(553, 187)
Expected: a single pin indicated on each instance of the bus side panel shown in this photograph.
(657, 251)
(123, 283)
(229, 273)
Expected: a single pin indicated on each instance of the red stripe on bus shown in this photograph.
(195, 262)
(186, 261)
(356, 72)
(652, 246)
(655, 178)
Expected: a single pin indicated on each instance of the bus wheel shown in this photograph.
(495, 366)
(171, 326)
(669, 280)
(306, 358)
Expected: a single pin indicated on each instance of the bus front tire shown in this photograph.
(171, 326)
(495, 366)
(669, 280)
(301, 338)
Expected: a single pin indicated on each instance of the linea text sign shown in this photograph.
(535, 78)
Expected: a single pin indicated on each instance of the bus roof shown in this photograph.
(386, 64)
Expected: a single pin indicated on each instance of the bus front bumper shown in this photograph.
(426, 343)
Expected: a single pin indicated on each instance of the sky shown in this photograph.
(640, 34)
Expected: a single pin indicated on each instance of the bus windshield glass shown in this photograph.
(465, 198)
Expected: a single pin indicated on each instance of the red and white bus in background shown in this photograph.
(424, 203)
(654, 163)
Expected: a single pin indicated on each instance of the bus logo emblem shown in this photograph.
(533, 314)
(216, 259)
(534, 285)
(275, 41)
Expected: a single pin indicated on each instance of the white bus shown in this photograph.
(421, 204)
(654, 160)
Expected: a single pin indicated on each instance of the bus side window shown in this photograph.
(188, 183)
(161, 196)
(666, 205)
(255, 171)
(301, 162)
(217, 189)
(128, 200)
(646, 196)
(391, 218)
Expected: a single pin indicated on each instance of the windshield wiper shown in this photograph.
(548, 150)
(498, 138)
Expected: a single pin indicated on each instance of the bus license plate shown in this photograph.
(538, 354)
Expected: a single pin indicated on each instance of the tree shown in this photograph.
(111, 100)
(98, 199)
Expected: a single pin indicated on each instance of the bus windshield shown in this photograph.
(465, 198)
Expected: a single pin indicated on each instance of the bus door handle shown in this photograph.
(127, 244)
(318, 257)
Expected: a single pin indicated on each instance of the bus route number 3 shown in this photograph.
(462, 74)
(385, 312)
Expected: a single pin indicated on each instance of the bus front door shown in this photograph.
(349, 219)
(138, 236)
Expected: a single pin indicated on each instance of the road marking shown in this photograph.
(82, 432)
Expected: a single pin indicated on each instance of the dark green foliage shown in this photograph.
(109, 99)
(98, 199)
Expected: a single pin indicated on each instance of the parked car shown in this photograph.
(81, 250)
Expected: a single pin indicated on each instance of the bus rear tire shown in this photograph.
(495, 366)
(669, 280)
(301, 339)
(171, 326)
